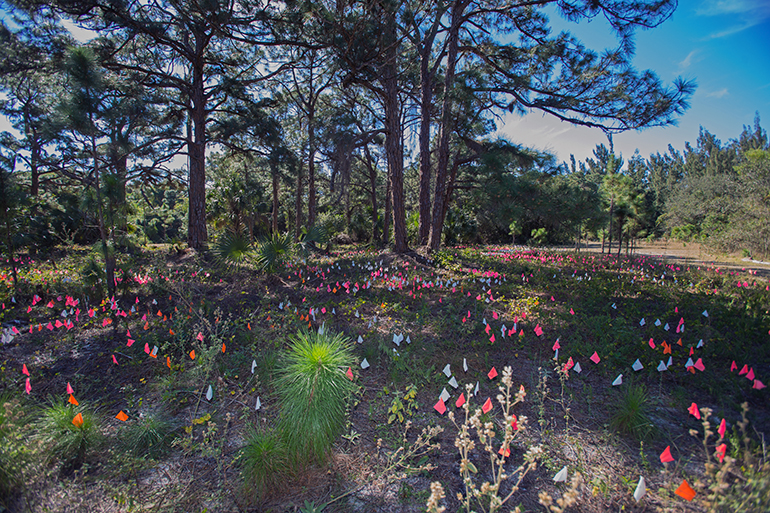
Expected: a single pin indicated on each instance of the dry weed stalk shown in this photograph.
(489, 491)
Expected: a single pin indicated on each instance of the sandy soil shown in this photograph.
(690, 253)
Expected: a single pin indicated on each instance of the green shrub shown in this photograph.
(264, 463)
(69, 444)
(149, 435)
(15, 452)
(630, 415)
(314, 391)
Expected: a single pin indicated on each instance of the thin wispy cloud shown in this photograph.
(718, 94)
(689, 60)
(745, 14)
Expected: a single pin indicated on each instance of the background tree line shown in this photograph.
(372, 119)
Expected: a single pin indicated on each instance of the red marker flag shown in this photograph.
(665, 456)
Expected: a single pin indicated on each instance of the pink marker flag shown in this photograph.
(744, 370)
(538, 330)
(492, 374)
(487, 405)
(694, 411)
(595, 357)
(440, 407)
(571, 311)
(492, 338)
(130, 342)
(494, 315)
(750, 374)
(652, 344)
(114, 360)
(555, 346)
(28, 386)
(665, 456)
(699, 365)
(720, 452)
(128, 333)
(733, 366)
(70, 390)
(200, 336)
(50, 326)
(24, 369)
(349, 374)
(460, 401)
(569, 364)
(147, 348)
(722, 428)
(487, 329)
(758, 385)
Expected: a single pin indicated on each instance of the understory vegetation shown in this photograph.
(485, 379)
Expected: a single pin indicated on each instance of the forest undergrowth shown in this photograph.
(479, 379)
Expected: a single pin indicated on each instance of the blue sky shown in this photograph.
(723, 44)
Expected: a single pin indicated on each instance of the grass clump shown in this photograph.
(314, 392)
(15, 453)
(264, 463)
(150, 435)
(71, 443)
(630, 415)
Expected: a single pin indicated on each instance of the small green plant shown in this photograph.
(630, 415)
(403, 405)
(69, 442)
(264, 462)
(15, 452)
(149, 435)
(314, 391)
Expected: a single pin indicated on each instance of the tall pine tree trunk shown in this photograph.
(393, 133)
(197, 234)
(445, 129)
(426, 101)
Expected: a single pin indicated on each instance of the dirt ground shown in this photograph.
(690, 253)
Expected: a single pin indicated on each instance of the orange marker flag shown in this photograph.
(24, 369)
(72, 400)
(146, 326)
(666, 348)
(223, 347)
(168, 362)
(249, 326)
(171, 332)
(192, 354)
(685, 491)
(78, 420)
(121, 416)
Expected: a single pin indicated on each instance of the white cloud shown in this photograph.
(687, 61)
(738, 15)
(745, 7)
(718, 94)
